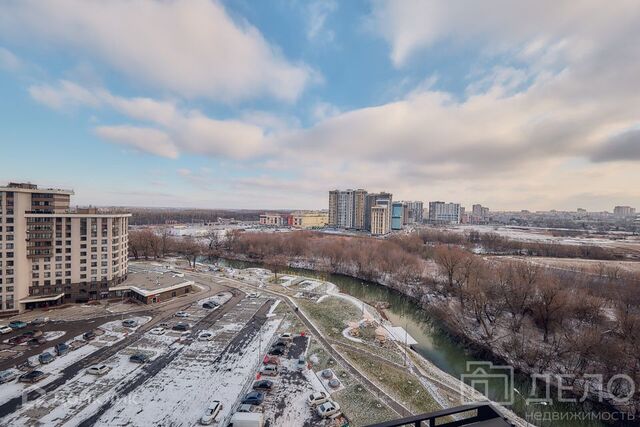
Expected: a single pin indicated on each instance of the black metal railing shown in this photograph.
(453, 417)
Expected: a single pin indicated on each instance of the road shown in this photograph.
(168, 311)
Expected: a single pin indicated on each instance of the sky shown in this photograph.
(269, 104)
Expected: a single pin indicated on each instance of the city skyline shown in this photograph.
(266, 105)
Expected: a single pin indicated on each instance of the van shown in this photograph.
(247, 419)
(271, 370)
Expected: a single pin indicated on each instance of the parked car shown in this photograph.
(210, 305)
(317, 398)
(7, 376)
(88, 336)
(288, 336)
(4, 329)
(130, 323)
(20, 339)
(98, 369)
(61, 349)
(211, 413)
(17, 324)
(247, 408)
(31, 377)
(34, 334)
(328, 409)
(276, 351)
(39, 321)
(157, 331)
(182, 314)
(282, 343)
(263, 385)
(253, 295)
(247, 419)
(46, 357)
(271, 370)
(139, 358)
(205, 336)
(181, 327)
(253, 398)
(37, 341)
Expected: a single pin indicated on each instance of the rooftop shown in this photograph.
(147, 279)
(27, 187)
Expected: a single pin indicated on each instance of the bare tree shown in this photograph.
(549, 305)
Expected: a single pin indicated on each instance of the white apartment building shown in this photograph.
(441, 212)
(51, 255)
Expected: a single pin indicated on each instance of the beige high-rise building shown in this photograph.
(380, 220)
(51, 255)
(359, 208)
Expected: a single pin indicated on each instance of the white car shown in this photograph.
(328, 409)
(205, 336)
(4, 329)
(157, 331)
(182, 314)
(211, 413)
(317, 398)
(98, 369)
(7, 376)
(253, 295)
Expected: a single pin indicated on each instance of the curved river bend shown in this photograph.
(438, 347)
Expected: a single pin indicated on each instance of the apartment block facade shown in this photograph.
(398, 213)
(309, 219)
(51, 255)
(347, 208)
(441, 212)
(375, 199)
(380, 220)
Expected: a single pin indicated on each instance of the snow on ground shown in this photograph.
(181, 391)
(220, 298)
(272, 310)
(53, 335)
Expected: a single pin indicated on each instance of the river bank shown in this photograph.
(447, 351)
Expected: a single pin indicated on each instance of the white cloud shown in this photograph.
(180, 130)
(148, 140)
(189, 47)
(317, 13)
(8, 60)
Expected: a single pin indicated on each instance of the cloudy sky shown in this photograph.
(268, 104)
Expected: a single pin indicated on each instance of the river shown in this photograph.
(443, 351)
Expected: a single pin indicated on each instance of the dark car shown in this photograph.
(139, 358)
(61, 349)
(253, 398)
(210, 305)
(37, 341)
(31, 377)
(276, 351)
(88, 336)
(17, 324)
(19, 339)
(280, 343)
(181, 327)
(263, 385)
(46, 357)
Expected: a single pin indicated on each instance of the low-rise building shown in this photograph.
(152, 286)
(309, 219)
(273, 220)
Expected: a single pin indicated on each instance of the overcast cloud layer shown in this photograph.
(549, 118)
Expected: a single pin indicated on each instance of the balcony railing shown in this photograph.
(475, 414)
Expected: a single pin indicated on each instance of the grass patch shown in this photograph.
(362, 407)
(331, 315)
(399, 383)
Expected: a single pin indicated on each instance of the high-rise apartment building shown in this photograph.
(359, 202)
(51, 255)
(380, 220)
(346, 208)
(413, 212)
(623, 211)
(374, 199)
(441, 212)
(398, 215)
